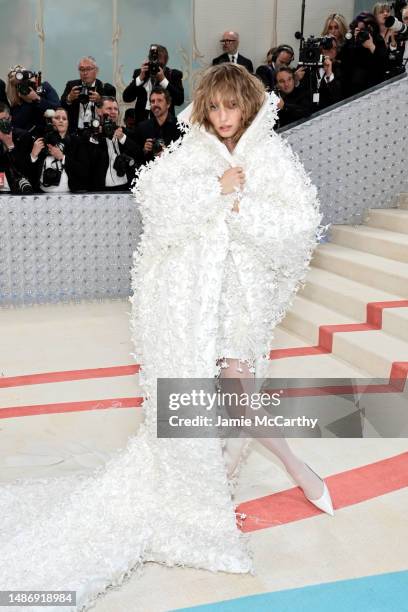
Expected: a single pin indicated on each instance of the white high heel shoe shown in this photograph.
(324, 502)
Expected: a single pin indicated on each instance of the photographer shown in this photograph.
(3, 97)
(59, 161)
(158, 132)
(364, 55)
(14, 145)
(81, 95)
(294, 100)
(275, 58)
(323, 79)
(153, 72)
(29, 98)
(112, 153)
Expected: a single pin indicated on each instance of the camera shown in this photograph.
(24, 82)
(401, 29)
(154, 65)
(51, 177)
(83, 97)
(310, 50)
(362, 35)
(5, 126)
(123, 163)
(108, 127)
(91, 128)
(51, 135)
(158, 145)
(17, 182)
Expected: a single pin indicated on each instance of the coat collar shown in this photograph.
(264, 120)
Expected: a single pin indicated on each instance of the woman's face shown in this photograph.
(334, 29)
(382, 16)
(225, 117)
(60, 121)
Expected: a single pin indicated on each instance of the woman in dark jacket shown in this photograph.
(58, 162)
(364, 55)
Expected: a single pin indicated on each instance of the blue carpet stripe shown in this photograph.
(379, 593)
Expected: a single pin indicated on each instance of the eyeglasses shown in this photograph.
(87, 69)
(228, 40)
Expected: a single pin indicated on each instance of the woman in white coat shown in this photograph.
(230, 220)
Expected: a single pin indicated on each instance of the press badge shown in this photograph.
(316, 98)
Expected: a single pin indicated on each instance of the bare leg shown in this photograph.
(296, 468)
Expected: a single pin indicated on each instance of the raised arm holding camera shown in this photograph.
(364, 55)
(112, 153)
(154, 72)
(29, 97)
(81, 95)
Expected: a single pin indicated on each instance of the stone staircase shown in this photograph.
(360, 266)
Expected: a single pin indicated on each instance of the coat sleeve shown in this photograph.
(179, 198)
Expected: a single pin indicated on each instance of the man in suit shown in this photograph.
(230, 43)
(154, 134)
(143, 82)
(294, 102)
(275, 58)
(106, 173)
(81, 95)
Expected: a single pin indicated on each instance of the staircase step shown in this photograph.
(308, 366)
(395, 220)
(376, 351)
(403, 201)
(305, 317)
(342, 294)
(395, 322)
(381, 242)
(380, 272)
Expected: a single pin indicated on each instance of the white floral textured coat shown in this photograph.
(158, 499)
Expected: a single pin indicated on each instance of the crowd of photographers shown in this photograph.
(76, 143)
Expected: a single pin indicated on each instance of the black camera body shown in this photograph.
(310, 50)
(83, 97)
(158, 146)
(123, 163)
(154, 65)
(51, 177)
(109, 127)
(5, 126)
(362, 35)
(51, 135)
(25, 83)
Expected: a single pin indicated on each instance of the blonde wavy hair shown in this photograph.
(341, 22)
(227, 81)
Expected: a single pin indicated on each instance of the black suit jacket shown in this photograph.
(99, 162)
(267, 75)
(243, 61)
(76, 164)
(3, 97)
(73, 109)
(329, 93)
(297, 106)
(168, 132)
(138, 93)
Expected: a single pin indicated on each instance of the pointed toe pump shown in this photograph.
(324, 502)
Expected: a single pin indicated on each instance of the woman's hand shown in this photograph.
(55, 152)
(37, 147)
(232, 179)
